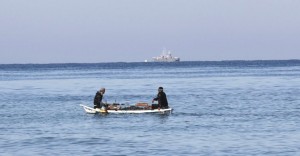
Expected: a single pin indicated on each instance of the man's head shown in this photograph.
(102, 90)
(160, 89)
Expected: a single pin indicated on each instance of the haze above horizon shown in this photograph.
(92, 31)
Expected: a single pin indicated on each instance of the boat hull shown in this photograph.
(120, 111)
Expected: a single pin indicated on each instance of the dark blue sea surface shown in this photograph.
(220, 108)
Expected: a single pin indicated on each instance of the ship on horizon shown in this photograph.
(166, 56)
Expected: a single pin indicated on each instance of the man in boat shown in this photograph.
(161, 98)
(98, 98)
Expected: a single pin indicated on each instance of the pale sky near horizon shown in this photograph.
(91, 31)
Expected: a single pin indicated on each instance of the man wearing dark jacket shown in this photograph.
(98, 98)
(161, 98)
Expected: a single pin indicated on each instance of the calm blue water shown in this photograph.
(220, 108)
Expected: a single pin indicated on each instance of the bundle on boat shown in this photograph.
(137, 106)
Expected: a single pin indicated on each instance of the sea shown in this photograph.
(219, 108)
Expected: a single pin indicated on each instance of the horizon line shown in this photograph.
(150, 62)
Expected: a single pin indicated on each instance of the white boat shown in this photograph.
(166, 56)
(115, 109)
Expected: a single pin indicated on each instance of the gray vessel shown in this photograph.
(166, 56)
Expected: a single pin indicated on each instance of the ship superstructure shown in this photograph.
(166, 56)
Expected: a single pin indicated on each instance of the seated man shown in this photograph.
(161, 98)
(98, 98)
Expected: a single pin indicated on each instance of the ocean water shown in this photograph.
(220, 108)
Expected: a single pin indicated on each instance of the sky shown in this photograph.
(93, 31)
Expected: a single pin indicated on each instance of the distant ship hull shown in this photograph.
(166, 60)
